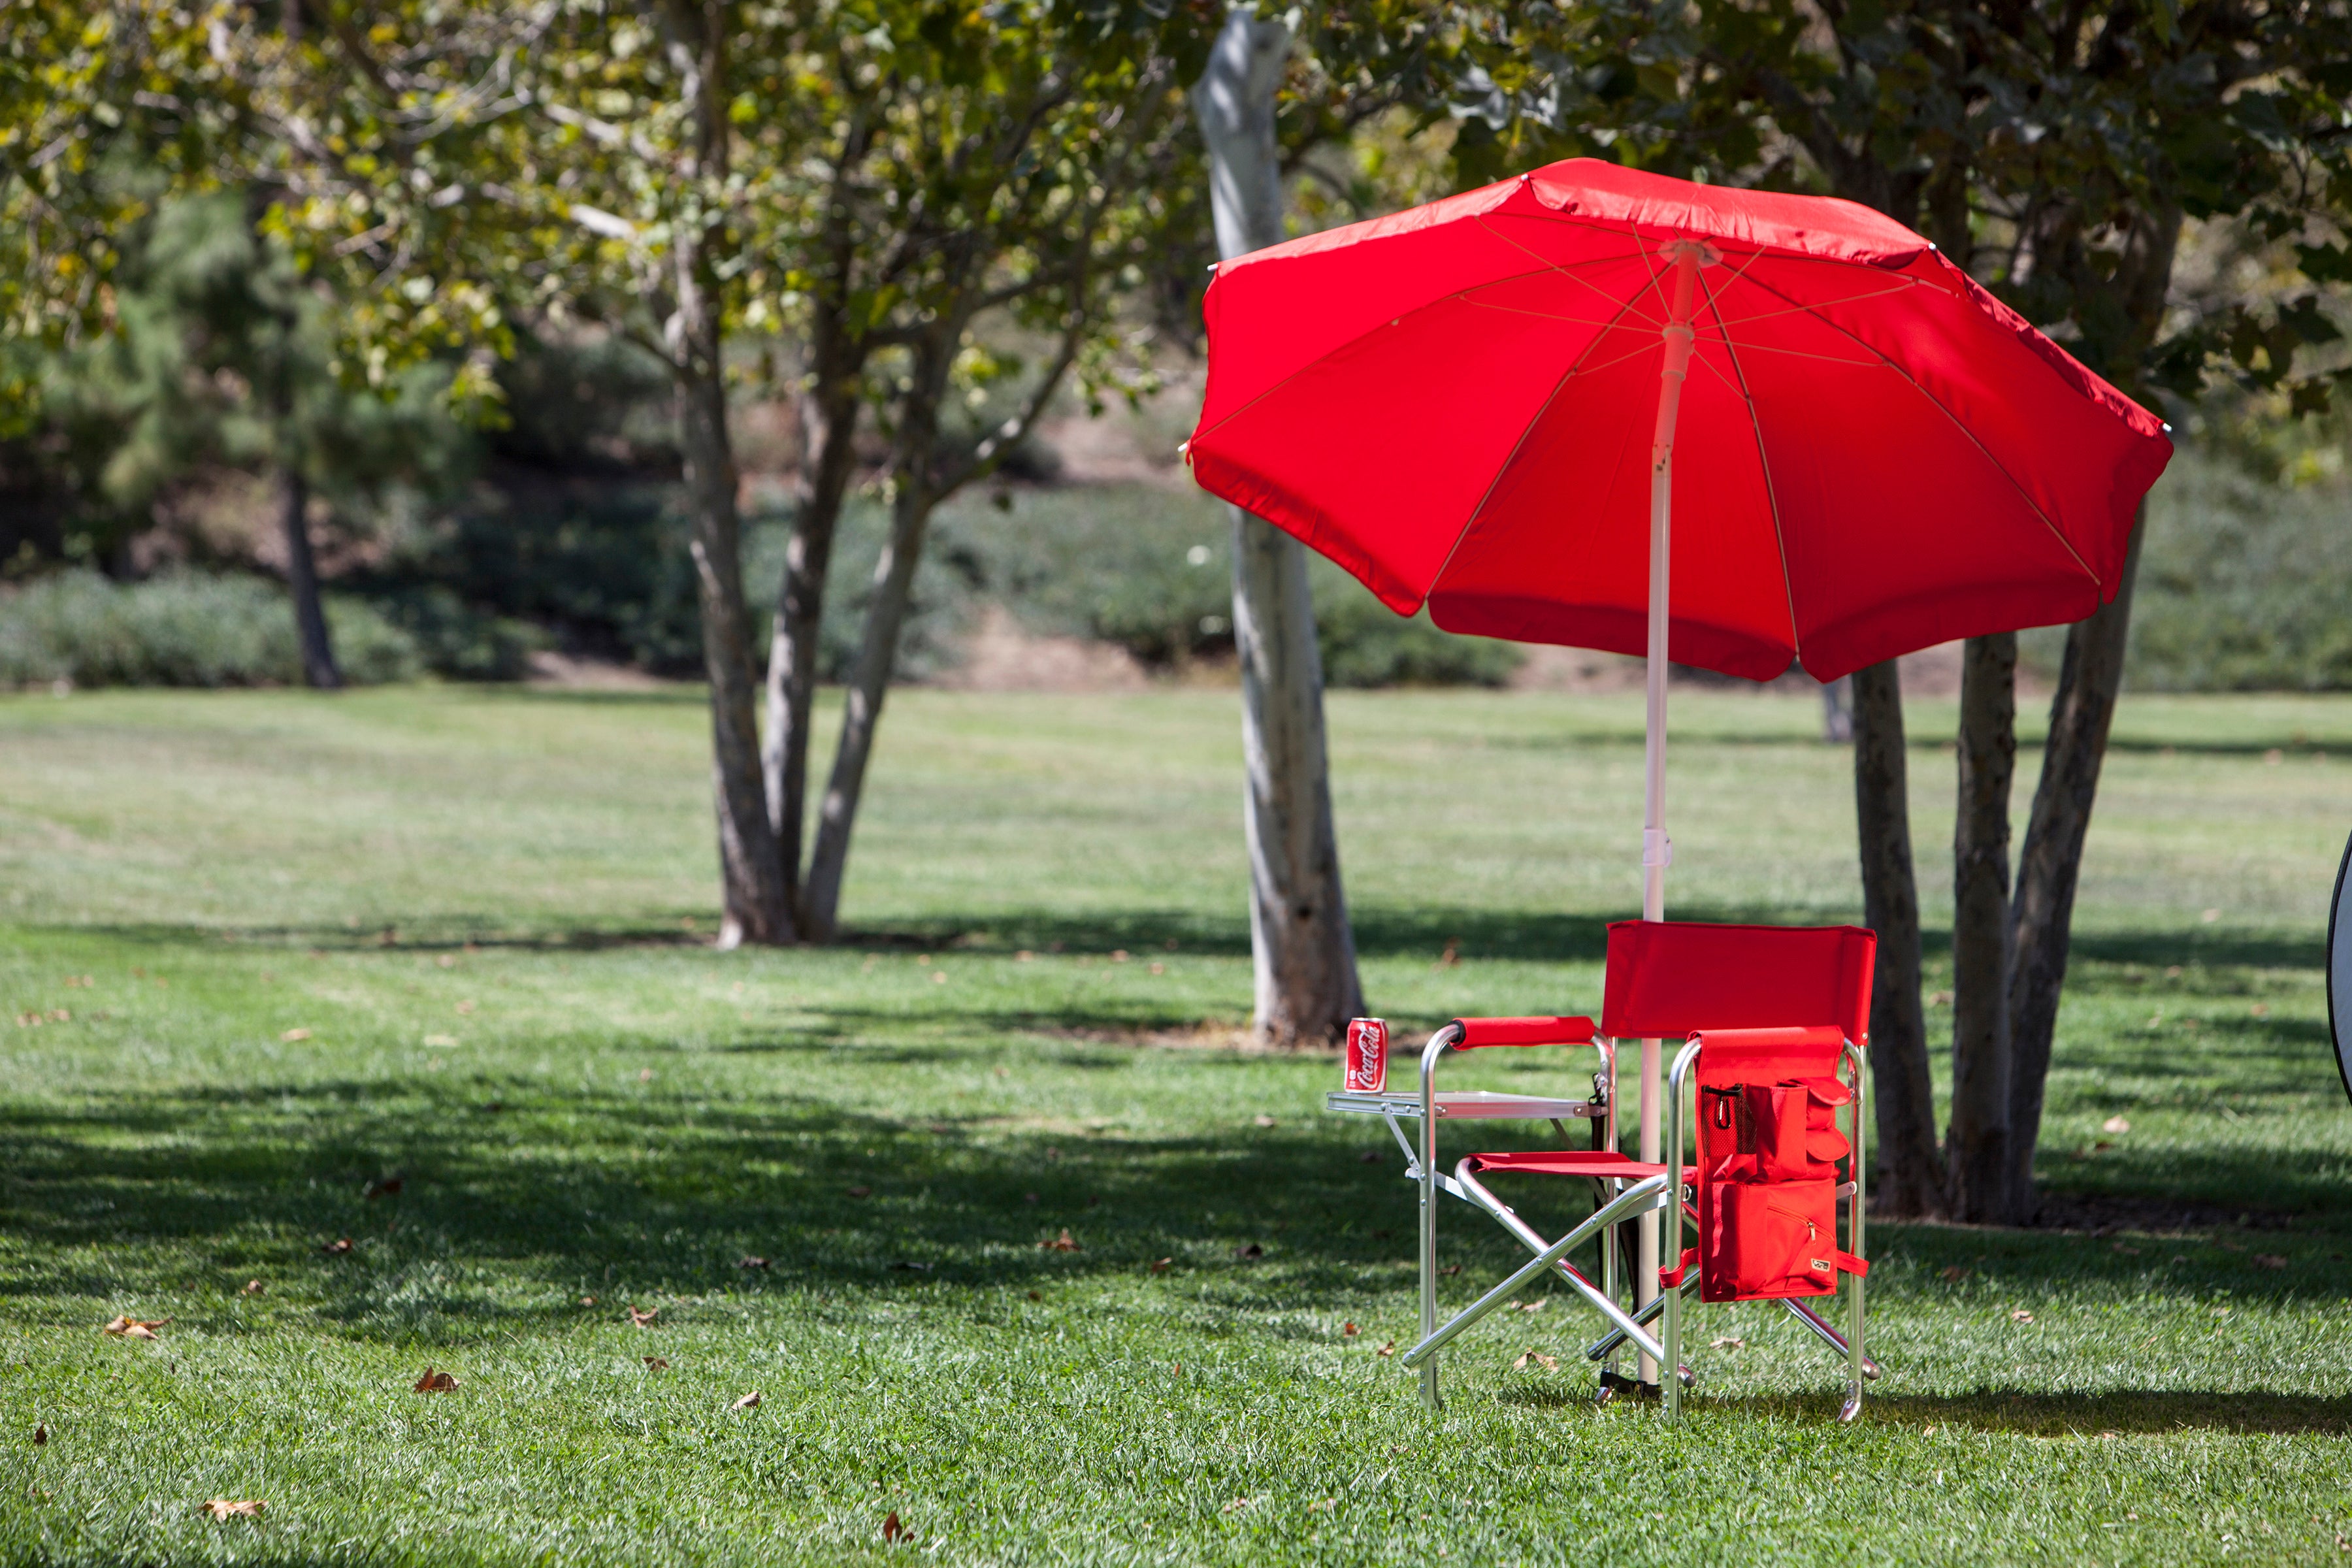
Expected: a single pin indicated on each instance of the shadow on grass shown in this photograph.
(2121, 1411)
(1381, 931)
(629, 1196)
(2117, 1413)
(516, 1199)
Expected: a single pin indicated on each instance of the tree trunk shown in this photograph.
(1303, 951)
(1837, 710)
(877, 654)
(752, 884)
(2042, 911)
(750, 876)
(319, 668)
(828, 423)
(1910, 1179)
(1976, 1148)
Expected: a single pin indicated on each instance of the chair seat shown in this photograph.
(1601, 1163)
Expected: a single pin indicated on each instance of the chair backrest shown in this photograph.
(1669, 978)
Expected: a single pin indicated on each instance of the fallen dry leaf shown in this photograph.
(1324, 1505)
(290, 1036)
(1549, 1364)
(1061, 1243)
(1727, 1343)
(749, 1402)
(752, 1263)
(656, 1364)
(1451, 1268)
(861, 1192)
(1236, 1506)
(40, 1435)
(1249, 1250)
(434, 1381)
(2270, 1260)
(643, 1317)
(252, 1287)
(1389, 1349)
(1160, 1265)
(1033, 1296)
(388, 1186)
(893, 1530)
(235, 1508)
(2020, 1316)
(337, 1247)
(136, 1328)
(1952, 1273)
(2115, 1124)
(1262, 1119)
(587, 1301)
(1349, 1330)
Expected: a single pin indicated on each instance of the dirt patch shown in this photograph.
(1003, 656)
(2098, 1214)
(562, 670)
(1236, 1037)
(2107, 1214)
(1931, 672)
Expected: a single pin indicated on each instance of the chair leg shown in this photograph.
(1858, 1366)
(1839, 1342)
(1670, 1337)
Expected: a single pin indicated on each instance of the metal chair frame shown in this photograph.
(1655, 1328)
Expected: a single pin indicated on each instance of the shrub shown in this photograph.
(1153, 570)
(2244, 585)
(183, 629)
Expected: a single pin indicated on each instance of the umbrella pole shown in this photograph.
(1657, 849)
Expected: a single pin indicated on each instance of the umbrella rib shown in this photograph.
(1936, 403)
(1638, 254)
(1368, 332)
(1520, 446)
(1801, 353)
(1538, 315)
(1763, 461)
(1903, 284)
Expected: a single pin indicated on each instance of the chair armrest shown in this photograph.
(1478, 1032)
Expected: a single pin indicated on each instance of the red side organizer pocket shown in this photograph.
(1760, 1240)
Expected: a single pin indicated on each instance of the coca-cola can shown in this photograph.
(1368, 1055)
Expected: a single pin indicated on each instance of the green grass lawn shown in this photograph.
(285, 949)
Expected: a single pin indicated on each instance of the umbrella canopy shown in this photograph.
(1458, 403)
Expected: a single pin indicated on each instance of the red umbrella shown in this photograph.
(1474, 405)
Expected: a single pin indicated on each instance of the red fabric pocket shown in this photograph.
(1760, 1240)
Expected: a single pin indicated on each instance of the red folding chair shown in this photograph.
(1774, 1000)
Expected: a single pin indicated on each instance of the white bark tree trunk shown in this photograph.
(1304, 951)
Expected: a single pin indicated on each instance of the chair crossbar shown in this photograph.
(1627, 1326)
(1640, 1198)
